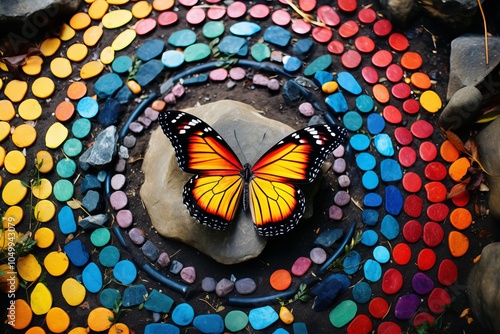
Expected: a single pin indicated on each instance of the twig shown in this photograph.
(485, 31)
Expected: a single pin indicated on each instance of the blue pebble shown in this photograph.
(364, 103)
(302, 46)
(369, 180)
(372, 200)
(151, 49)
(352, 120)
(133, 295)
(76, 252)
(362, 292)
(375, 123)
(125, 272)
(108, 297)
(262, 317)
(343, 279)
(196, 79)
(389, 227)
(366, 161)
(172, 58)
(232, 45)
(292, 64)
(326, 292)
(369, 238)
(109, 256)
(281, 331)
(124, 95)
(209, 323)
(372, 270)
(81, 128)
(383, 144)
(182, 38)
(90, 182)
(337, 102)
(351, 262)
(161, 329)
(244, 28)
(348, 82)
(299, 328)
(393, 200)
(92, 278)
(183, 314)
(102, 175)
(148, 72)
(390, 170)
(87, 107)
(66, 219)
(327, 239)
(277, 35)
(370, 217)
(121, 64)
(158, 302)
(359, 142)
(110, 113)
(381, 254)
(107, 85)
(323, 77)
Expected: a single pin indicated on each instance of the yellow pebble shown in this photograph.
(98, 9)
(44, 237)
(141, 9)
(50, 46)
(1, 81)
(12, 216)
(56, 263)
(61, 67)
(43, 87)
(124, 39)
(42, 189)
(91, 69)
(4, 130)
(15, 161)
(44, 161)
(24, 135)
(92, 35)
(134, 86)
(430, 101)
(329, 87)
(107, 55)
(44, 211)
(57, 320)
(285, 315)
(56, 135)
(41, 299)
(30, 110)
(99, 319)
(77, 52)
(28, 268)
(7, 110)
(33, 65)
(117, 2)
(80, 21)
(66, 33)
(3, 67)
(116, 18)
(14, 192)
(15, 90)
(3, 153)
(73, 292)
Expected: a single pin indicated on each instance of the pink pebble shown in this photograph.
(151, 113)
(339, 151)
(137, 236)
(118, 200)
(136, 127)
(277, 56)
(260, 80)
(219, 74)
(273, 85)
(118, 181)
(144, 121)
(339, 165)
(301, 266)
(188, 274)
(170, 98)
(124, 218)
(318, 255)
(335, 213)
(344, 181)
(178, 90)
(163, 259)
(342, 198)
(237, 73)
(306, 109)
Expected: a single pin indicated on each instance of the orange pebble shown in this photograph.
(119, 328)
(280, 280)
(162, 5)
(77, 90)
(420, 80)
(461, 218)
(64, 111)
(57, 320)
(448, 151)
(381, 93)
(35, 330)
(459, 168)
(158, 105)
(22, 314)
(458, 243)
(411, 60)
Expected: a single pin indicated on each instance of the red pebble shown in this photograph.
(382, 27)
(307, 5)
(412, 182)
(403, 136)
(392, 114)
(447, 272)
(398, 41)
(301, 266)
(401, 254)
(427, 151)
(435, 171)
(259, 11)
(351, 59)
(378, 307)
(364, 44)
(360, 325)
(422, 129)
(369, 74)
(321, 34)
(433, 234)
(423, 318)
(236, 10)
(281, 17)
(407, 156)
(412, 231)
(401, 90)
(392, 281)
(438, 211)
(413, 206)
(382, 58)
(335, 47)
(439, 300)
(461, 199)
(328, 16)
(436, 191)
(347, 5)
(389, 327)
(411, 106)
(394, 73)
(348, 29)
(167, 18)
(367, 15)
(426, 259)
(145, 26)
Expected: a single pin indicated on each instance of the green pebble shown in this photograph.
(260, 52)
(182, 38)
(319, 64)
(81, 128)
(343, 313)
(72, 147)
(66, 168)
(196, 52)
(213, 29)
(109, 297)
(109, 256)
(63, 190)
(236, 320)
(100, 237)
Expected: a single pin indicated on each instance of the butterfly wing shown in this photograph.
(212, 195)
(276, 203)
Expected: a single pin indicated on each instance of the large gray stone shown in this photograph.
(462, 110)
(483, 289)
(102, 153)
(163, 184)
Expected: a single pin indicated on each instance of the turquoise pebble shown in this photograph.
(87, 107)
(383, 144)
(107, 85)
(236, 320)
(381, 254)
(81, 128)
(348, 82)
(319, 64)
(183, 314)
(362, 293)
(277, 35)
(244, 28)
(133, 295)
(233, 45)
(351, 262)
(92, 277)
(366, 161)
(172, 58)
(66, 168)
(390, 170)
(260, 52)
(182, 38)
(100, 237)
(125, 272)
(337, 102)
(72, 147)
(393, 200)
(369, 238)
(262, 317)
(359, 142)
(372, 270)
(343, 313)
(121, 64)
(108, 297)
(364, 103)
(63, 190)
(299, 328)
(161, 329)
(209, 323)
(292, 64)
(158, 302)
(372, 200)
(281, 331)
(370, 217)
(196, 52)
(370, 180)
(389, 227)
(66, 219)
(150, 50)
(148, 72)
(102, 175)
(109, 256)
(323, 77)
(352, 121)
(375, 123)
(213, 29)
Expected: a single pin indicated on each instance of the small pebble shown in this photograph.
(151, 113)
(208, 284)
(273, 85)
(339, 165)
(260, 80)
(178, 90)
(237, 73)
(123, 152)
(150, 251)
(183, 314)
(317, 255)
(144, 121)
(163, 260)
(136, 127)
(175, 267)
(170, 98)
(137, 236)
(245, 286)
(124, 218)
(344, 181)
(335, 212)
(224, 287)
(301, 266)
(339, 151)
(118, 200)
(118, 181)
(120, 166)
(342, 198)
(306, 109)
(188, 274)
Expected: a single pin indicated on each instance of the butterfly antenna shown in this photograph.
(243, 152)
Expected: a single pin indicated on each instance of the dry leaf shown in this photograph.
(455, 140)
(74, 204)
(477, 258)
(457, 189)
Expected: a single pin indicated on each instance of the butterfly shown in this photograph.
(269, 188)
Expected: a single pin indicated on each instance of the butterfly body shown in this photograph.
(268, 189)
